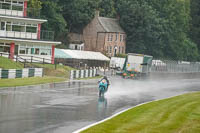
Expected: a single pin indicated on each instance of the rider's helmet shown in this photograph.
(105, 77)
(104, 81)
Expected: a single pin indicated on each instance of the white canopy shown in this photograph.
(77, 54)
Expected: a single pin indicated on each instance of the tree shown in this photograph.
(155, 27)
(35, 4)
(78, 13)
(107, 8)
(56, 22)
(195, 22)
(142, 26)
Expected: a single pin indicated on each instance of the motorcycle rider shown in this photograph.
(105, 78)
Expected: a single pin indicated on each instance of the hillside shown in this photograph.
(6, 63)
(49, 69)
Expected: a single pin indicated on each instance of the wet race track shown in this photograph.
(66, 107)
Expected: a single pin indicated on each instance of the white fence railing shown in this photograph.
(20, 73)
(76, 74)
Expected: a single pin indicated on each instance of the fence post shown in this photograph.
(16, 58)
(24, 63)
(55, 64)
(31, 59)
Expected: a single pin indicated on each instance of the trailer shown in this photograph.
(137, 65)
(117, 63)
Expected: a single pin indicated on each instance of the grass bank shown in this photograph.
(49, 70)
(6, 63)
(180, 114)
(29, 81)
(97, 77)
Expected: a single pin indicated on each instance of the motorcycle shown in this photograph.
(103, 87)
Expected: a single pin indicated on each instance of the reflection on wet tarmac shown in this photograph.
(65, 107)
(101, 107)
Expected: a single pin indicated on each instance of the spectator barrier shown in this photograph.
(20, 73)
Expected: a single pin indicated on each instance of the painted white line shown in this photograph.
(94, 124)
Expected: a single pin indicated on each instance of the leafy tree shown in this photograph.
(56, 22)
(107, 8)
(34, 7)
(195, 22)
(35, 4)
(155, 27)
(143, 27)
(78, 13)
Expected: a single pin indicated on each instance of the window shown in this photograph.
(5, 49)
(22, 50)
(108, 39)
(116, 37)
(8, 26)
(5, 6)
(45, 51)
(27, 50)
(2, 26)
(124, 38)
(1, 48)
(110, 49)
(37, 51)
(17, 7)
(8, 1)
(22, 3)
(121, 38)
(16, 28)
(111, 38)
(31, 29)
(14, 2)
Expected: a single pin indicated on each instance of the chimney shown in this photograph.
(97, 13)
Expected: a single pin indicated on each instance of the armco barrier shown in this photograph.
(75, 74)
(20, 73)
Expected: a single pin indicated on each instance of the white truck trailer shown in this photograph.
(137, 65)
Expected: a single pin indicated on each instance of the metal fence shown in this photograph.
(170, 66)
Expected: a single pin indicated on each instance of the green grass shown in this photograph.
(97, 77)
(29, 81)
(49, 70)
(6, 63)
(179, 114)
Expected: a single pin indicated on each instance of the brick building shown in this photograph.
(104, 35)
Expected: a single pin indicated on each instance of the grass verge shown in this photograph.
(179, 114)
(29, 81)
(97, 77)
(49, 70)
(6, 63)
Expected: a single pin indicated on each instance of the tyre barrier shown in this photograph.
(75, 74)
(20, 73)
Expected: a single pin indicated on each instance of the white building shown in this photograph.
(20, 32)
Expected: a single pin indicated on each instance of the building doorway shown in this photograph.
(115, 50)
(2, 25)
(16, 49)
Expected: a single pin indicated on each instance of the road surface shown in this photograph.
(66, 107)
